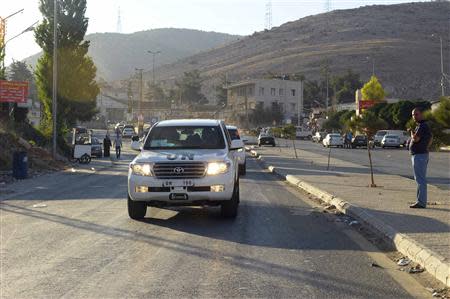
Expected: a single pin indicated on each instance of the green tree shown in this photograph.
(77, 89)
(369, 123)
(312, 92)
(221, 91)
(333, 122)
(442, 113)
(373, 90)
(19, 71)
(190, 88)
(346, 86)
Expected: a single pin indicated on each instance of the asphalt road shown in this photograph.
(69, 235)
(392, 161)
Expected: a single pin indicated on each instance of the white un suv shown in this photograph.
(185, 163)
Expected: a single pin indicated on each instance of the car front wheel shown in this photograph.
(136, 209)
(229, 208)
(243, 169)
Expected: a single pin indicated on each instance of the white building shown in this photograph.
(245, 96)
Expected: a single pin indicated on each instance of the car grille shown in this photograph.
(179, 170)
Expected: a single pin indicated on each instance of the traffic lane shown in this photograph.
(86, 246)
(390, 161)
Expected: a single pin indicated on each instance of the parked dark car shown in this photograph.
(96, 147)
(266, 140)
(359, 141)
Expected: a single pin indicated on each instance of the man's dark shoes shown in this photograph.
(417, 206)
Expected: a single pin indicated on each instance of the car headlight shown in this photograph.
(143, 169)
(215, 168)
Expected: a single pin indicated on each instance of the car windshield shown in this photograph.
(391, 136)
(185, 137)
(234, 134)
(381, 133)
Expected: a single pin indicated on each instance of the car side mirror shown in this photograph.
(236, 144)
(135, 138)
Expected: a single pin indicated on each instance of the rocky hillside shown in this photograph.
(117, 55)
(397, 37)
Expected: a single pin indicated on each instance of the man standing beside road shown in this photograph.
(421, 139)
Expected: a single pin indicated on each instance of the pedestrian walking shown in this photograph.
(106, 145)
(118, 145)
(419, 144)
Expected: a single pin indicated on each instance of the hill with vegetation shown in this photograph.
(397, 38)
(117, 55)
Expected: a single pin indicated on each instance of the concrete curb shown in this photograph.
(434, 263)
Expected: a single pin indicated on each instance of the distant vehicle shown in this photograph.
(96, 147)
(128, 131)
(319, 136)
(359, 141)
(333, 139)
(119, 126)
(265, 139)
(240, 153)
(402, 135)
(80, 130)
(249, 139)
(391, 141)
(378, 137)
(302, 133)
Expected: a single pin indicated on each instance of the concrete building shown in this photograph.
(245, 96)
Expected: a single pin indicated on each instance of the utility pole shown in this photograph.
(141, 95)
(300, 104)
(328, 97)
(154, 53)
(442, 66)
(55, 75)
(442, 69)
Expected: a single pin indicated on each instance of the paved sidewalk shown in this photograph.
(386, 207)
(56, 178)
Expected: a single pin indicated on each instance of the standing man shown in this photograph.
(421, 139)
(106, 145)
(118, 145)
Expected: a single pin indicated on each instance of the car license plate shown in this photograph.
(178, 183)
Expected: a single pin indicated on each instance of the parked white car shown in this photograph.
(128, 131)
(391, 141)
(240, 153)
(402, 135)
(333, 139)
(185, 163)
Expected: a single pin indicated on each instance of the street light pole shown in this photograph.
(154, 53)
(3, 34)
(55, 74)
(442, 65)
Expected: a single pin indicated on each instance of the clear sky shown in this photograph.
(229, 16)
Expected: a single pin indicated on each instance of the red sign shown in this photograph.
(13, 92)
(366, 104)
